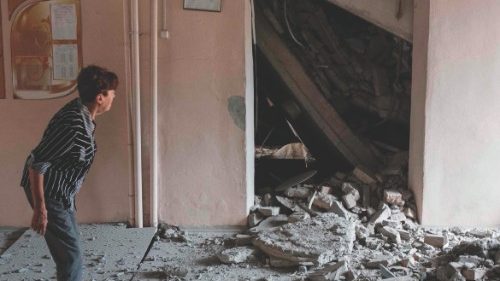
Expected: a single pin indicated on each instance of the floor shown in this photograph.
(113, 252)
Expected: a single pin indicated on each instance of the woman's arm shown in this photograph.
(39, 219)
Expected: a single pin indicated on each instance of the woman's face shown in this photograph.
(106, 101)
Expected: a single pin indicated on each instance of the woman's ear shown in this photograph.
(99, 98)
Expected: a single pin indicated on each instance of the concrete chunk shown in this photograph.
(269, 211)
(324, 201)
(348, 188)
(329, 272)
(380, 260)
(298, 192)
(381, 215)
(338, 209)
(390, 233)
(254, 219)
(236, 255)
(405, 235)
(438, 241)
(326, 189)
(349, 201)
(473, 274)
(298, 216)
(393, 197)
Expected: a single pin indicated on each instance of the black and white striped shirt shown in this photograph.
(64, 154)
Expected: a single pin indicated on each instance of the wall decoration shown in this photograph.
(204, 5)
(45, 48)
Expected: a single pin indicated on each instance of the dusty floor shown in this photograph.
(113, 252)
(115, 256)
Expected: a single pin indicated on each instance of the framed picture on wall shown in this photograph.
(203, 5)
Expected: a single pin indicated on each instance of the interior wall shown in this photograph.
(202, 116)
(462, 128)
(418, 97)
(105, 194)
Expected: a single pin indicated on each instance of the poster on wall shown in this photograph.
(63, 21)
(45, 49)
(65, 57)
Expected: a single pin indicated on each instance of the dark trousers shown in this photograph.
(63, 240)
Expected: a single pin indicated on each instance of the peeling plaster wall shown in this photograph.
(462, 128)
(201, 114)
(104, 195)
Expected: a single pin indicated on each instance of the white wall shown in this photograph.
(461, 155)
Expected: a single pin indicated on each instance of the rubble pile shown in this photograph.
(360, 226)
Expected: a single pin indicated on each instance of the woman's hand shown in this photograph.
(39, 220)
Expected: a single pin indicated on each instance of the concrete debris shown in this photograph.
(269, 211)
(298, 216)
(300, 191)
(390, 233)
(254, 219)
(349, 201)
(324, 201)
(288, 203)
(393, 197)
(172, 233)
(270, 223)
(474, 274)
(236, 255)
(382, 214)
(326, 189)
(438, 241)
(322, 239)
(329, 272)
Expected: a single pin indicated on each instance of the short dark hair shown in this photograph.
(94, 80)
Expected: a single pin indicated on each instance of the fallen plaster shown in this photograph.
(110, 252)
(319, 240)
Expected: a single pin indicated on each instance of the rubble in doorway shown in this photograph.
(331, 231)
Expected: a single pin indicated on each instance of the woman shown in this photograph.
(56, 168)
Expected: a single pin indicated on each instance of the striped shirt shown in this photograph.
(64, 154)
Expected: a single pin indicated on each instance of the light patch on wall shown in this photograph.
(236, 108)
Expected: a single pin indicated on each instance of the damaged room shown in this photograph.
(249, 140)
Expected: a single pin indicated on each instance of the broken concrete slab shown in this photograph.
(236, 255)
(329, 272)
(438, 241)
(321, 239)
(382, 214)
